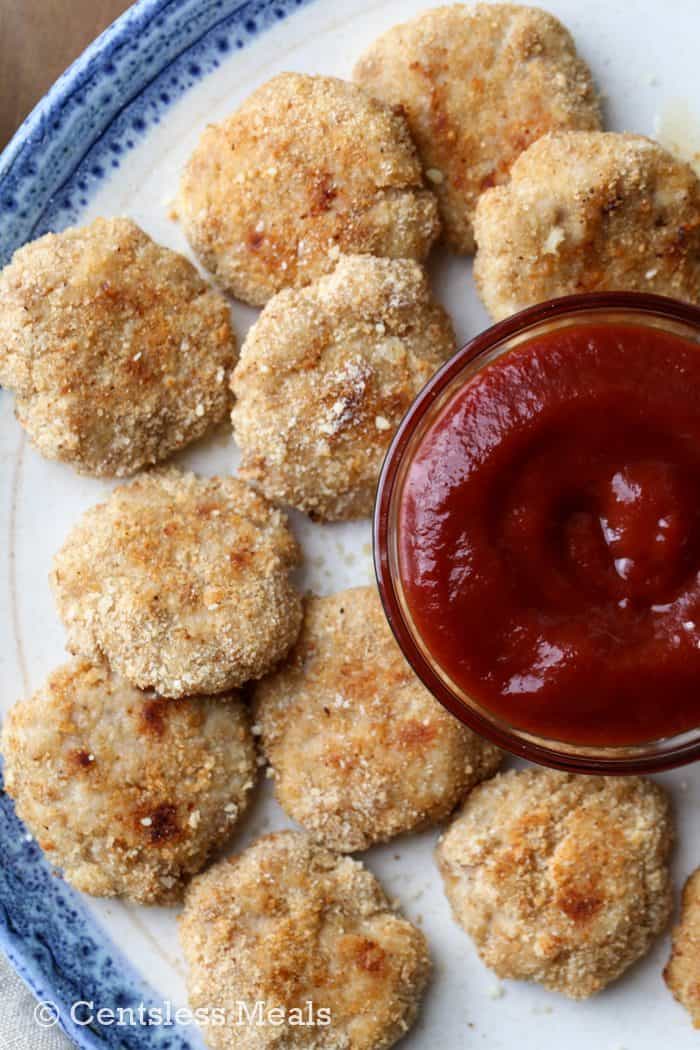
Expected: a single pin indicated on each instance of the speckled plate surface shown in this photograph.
(111, 139)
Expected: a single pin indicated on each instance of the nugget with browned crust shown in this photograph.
(325, 376)
(116, 349)
(127, 793)
(559, 878)
(181, 583)
(682, 973)
(307, 167)
(287, 924)
(360, 749)
(589, 212)
(478, 85)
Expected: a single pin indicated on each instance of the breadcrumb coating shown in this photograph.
(559, 878)
(127, 793)
(360, 749)
(288, 922)
(307, 167)
(682, 974)
(478, 85)
(117, 351)
(587, 212)
(181, 583)
(325, 376)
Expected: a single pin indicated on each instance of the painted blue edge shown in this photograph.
(102, 105)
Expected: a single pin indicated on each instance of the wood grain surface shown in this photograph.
(38, 40)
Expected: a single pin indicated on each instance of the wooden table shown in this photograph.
(38, 40)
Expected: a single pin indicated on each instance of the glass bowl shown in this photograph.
(615, 308)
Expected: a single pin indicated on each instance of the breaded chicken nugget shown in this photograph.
(181, 583)
(682, 974)
(116, 349)
(587, 212)
(129, 794)
(325, 376)
(306, 168)
(361, 750)
(286, 924)
(478, 85)
(559, 878)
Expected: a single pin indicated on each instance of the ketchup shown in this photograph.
(549, 535)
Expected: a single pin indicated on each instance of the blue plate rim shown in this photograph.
(141, 13)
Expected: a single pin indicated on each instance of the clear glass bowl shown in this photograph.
(613, 308)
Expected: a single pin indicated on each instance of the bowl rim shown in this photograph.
(636, 758)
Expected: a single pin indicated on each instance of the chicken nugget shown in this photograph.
(117, 351)
(127, 793)
(559, 878)
(589, 212)
(360, 749)
(682, 973)
(325, 376)
(478, 85)
(181, 583)
(290, 925)
(307, 167)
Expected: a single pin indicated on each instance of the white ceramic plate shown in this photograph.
(644, 57)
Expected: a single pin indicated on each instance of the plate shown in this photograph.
(110, 139)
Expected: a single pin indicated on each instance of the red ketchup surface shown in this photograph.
(549, 535)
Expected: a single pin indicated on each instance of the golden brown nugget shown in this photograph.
(325, 376)
(360, 749)
(127, 793)
(287, 923)
(589, 212)
(181, 583)
(306, 168)
(558, 878)
(478, 85)
(682, 973)
(117, 351)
